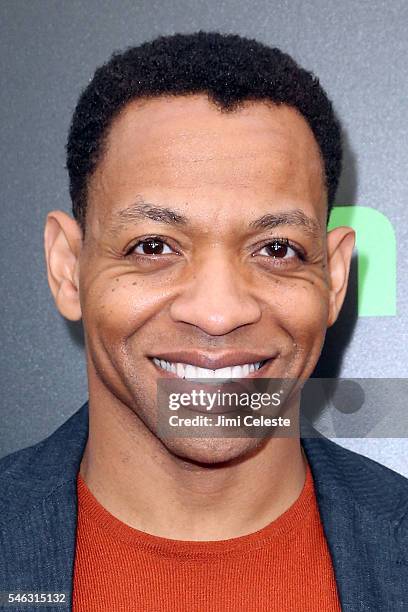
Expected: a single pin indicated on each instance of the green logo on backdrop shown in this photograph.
(376, 258)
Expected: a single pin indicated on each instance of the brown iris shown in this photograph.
(277, 249)
(152, 247)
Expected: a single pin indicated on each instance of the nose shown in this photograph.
(217, 300)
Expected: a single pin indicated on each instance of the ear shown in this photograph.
(62, 245)
(340, 244)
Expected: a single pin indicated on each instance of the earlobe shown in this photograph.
(340, 244)
(62, 245)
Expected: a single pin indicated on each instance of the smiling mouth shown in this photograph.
(188, 371)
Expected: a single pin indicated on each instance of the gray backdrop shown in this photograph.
(49, 50)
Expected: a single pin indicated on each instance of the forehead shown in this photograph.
(185, 147)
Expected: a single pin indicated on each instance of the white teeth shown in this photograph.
(190, 371)
(236, 372)
(224, 373)
(186, 370)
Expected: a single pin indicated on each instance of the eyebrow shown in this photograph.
(292, 217)
(144, 210)
(162, 214)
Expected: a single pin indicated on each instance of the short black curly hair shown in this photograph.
(229, 68)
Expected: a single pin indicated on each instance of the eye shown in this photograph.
(280, 249)
(152, 246)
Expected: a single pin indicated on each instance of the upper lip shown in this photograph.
(213, 361)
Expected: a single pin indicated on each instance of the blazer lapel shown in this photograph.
(364, 516)
(38, 524)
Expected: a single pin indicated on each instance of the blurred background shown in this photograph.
(49, 51)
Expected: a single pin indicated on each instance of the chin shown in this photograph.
(212, 451)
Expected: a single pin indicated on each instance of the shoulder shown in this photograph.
(347, 474)
(27, 476)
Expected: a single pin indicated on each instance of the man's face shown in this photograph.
(233, 271)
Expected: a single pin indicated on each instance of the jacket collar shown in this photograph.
(363, 507)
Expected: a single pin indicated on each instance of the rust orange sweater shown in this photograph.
(283, 567)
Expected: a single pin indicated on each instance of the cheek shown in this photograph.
(119, 307)
(303, 311)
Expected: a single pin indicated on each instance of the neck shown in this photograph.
(138, 480)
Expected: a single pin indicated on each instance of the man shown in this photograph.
(202, 172)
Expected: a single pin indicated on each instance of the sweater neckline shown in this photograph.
(285, 526)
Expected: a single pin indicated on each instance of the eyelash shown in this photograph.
(300, 254)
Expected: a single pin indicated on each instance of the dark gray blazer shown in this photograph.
(363, 506)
